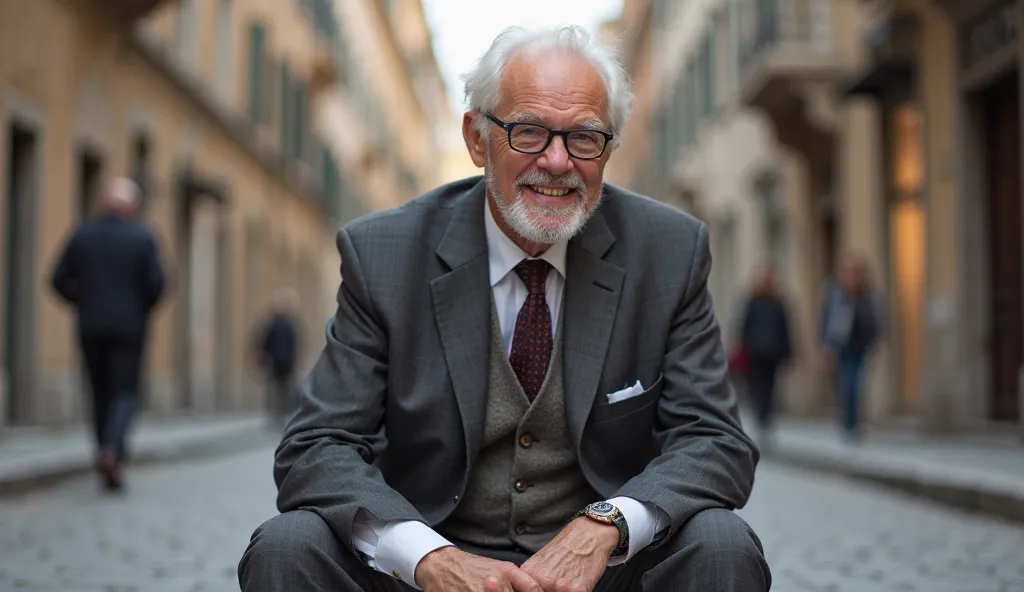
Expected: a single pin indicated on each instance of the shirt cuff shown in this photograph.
(402, 544)
(644, 521)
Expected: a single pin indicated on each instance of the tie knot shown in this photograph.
(534, 273)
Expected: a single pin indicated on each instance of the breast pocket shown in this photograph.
(644, 401)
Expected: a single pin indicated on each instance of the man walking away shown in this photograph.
(279, 352)
(110, 271)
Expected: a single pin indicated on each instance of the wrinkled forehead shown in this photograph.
(551, 84)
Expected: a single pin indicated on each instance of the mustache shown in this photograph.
(570, 180)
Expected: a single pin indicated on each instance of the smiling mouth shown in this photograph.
(551, 191)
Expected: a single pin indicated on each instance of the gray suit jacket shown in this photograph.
(392, 413)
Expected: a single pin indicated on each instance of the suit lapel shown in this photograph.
(592, 289)
(462, 300)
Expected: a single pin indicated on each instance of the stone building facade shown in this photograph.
(804, 129)
(220, 109)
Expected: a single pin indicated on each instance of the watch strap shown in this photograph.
(617, 520)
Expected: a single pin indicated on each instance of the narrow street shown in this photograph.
(183, 526)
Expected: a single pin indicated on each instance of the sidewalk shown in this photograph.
(35, 456)
(978, 473)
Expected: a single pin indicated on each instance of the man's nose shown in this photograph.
(555, 159)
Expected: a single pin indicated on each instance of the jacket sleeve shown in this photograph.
(65, 274)
(786, 332)
(153, 276)
(706, 459)
(325, 460)
(746, 323)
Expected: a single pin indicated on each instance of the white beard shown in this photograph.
(540, 224)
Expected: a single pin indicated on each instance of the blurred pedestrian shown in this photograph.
(110, 271)
(766, 343)
(850, 326)
(278, 353)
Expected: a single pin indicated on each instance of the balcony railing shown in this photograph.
(767, 25)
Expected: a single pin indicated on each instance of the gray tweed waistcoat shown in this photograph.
(526, 482)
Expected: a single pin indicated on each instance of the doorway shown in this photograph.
(19, 241)
(999, 110)
(90, 171)
(200, 339)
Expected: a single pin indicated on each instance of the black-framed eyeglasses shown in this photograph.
(533, 138)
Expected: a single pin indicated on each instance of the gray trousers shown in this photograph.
(716, 551)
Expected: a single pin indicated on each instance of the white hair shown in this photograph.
(122, 192)
(483, 83)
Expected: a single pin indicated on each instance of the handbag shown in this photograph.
(739, 360)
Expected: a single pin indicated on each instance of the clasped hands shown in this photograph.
(573, 561)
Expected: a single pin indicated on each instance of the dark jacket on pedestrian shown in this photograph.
(766, 330)
(850, 323)
(280, 344)
(110, 271)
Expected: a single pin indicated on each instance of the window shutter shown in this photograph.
(286, 125)
(301, 119)
(257, 51)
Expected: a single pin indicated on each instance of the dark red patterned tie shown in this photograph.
(531, 341)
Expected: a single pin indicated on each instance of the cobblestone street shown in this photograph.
(184, 525)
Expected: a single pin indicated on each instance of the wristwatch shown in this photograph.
(609, 514)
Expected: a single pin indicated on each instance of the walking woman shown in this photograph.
(849, 328)
(767, 346)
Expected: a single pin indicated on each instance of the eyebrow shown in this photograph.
(588, 124)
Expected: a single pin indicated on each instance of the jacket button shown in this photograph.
(456, 499)
(521, 528)
(520, 486)
(526, 440)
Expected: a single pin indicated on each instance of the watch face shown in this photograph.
(602, 508)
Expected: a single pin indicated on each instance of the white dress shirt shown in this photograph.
(397, 547)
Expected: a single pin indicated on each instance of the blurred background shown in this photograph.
(799, 130)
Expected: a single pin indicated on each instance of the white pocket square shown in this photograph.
(627, 393)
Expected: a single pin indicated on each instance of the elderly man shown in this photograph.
(524, 387)
(111, 273)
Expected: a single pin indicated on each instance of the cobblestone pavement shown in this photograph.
(825, 533)
(182, 528)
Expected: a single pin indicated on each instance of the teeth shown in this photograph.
(551, 192)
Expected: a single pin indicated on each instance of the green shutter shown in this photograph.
(300, 99)
(285, 125)
(331, 183)
(709, 72)
(257, 49)
(712, 71)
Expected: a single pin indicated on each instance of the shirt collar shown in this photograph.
(504, 254)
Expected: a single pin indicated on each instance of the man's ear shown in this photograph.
(475, 141)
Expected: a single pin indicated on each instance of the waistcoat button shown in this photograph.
(520, 486)
(526, 440)
(521, 528)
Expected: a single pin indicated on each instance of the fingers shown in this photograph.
(520, 580)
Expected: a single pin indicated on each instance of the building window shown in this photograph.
(258, 109)
(285, 125)
(709, 72)
(225, 43)
(293, 107)
(300, 138)
(186, 34)
(331, 182)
